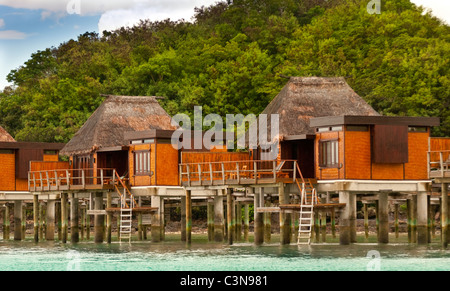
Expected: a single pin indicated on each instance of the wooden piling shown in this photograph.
(230, 218)
(18, 213)
(267, 224)
(246, 222)
(99, 219)
(366, 220)
(383, 218)
(156, 218)
(109, 218)
(422, 218)
(6, 223)
(414, 219)
(24, 220)
(188, 217)
(396, 219)
(83, 222)
(74, 217)
(64, 214)
(323, 225)
(88, 226)
(183, 218)
(36, 217)
(42, 222)
(50, 214)
(258, 217)
(285, 218)
(444, 215)
(210, 219)
(238, 221)
(218, 217)
(57, 219)
(344, 221)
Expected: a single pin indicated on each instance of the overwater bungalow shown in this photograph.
(333, 149)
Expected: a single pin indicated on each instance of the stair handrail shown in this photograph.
(132, 200)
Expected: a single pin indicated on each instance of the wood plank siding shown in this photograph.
(376, 148)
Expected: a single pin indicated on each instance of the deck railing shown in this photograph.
(71, 179)
(237, 172)
(439, 164)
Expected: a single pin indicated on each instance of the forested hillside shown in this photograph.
(234, 58)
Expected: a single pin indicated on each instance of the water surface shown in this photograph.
(173, 255)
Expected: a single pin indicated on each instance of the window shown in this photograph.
(142, 163)
(417, 129)
(329, 153)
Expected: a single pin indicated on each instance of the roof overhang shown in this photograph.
(32, 145)
(299, 137)
(374, 120)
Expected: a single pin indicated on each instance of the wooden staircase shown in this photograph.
(308, 199)
(127, 203)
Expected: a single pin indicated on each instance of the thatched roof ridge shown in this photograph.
(5, 136)
(306, 97)
(116, 115)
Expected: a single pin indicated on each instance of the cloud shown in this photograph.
(152, 10)
(12, 34)
(2, 23)
(87, 7)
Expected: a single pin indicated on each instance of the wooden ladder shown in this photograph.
(308, 199)
(127, 203)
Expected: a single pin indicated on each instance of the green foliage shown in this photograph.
(232, 59)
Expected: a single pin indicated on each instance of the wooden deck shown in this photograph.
(71, 180)
(439, 164)
(234, 173)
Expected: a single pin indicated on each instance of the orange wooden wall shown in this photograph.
(166, 165)
(163, 164)
(357, 155)
(358, 160)
(439, 144)
(7, 172)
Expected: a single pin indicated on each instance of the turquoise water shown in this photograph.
(202, 256)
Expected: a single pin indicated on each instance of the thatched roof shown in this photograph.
(306, 97)
(118, 114)
(5, 136)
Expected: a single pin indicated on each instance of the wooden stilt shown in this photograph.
(109, 218)
(366, 220)
(210, 218)
(6, 223)
(267, 224)
(238, 221)
(64, 217)
(246, 222)
(422, 218)
(218, 217)
(18, 220)
(50, 215)
(99, 219)
(188, 217)
(230, 219)
(258, 217)
(36, 217)
(74, 218)
(444, 215)
(183, 218)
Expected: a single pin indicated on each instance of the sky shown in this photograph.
(27, 26)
